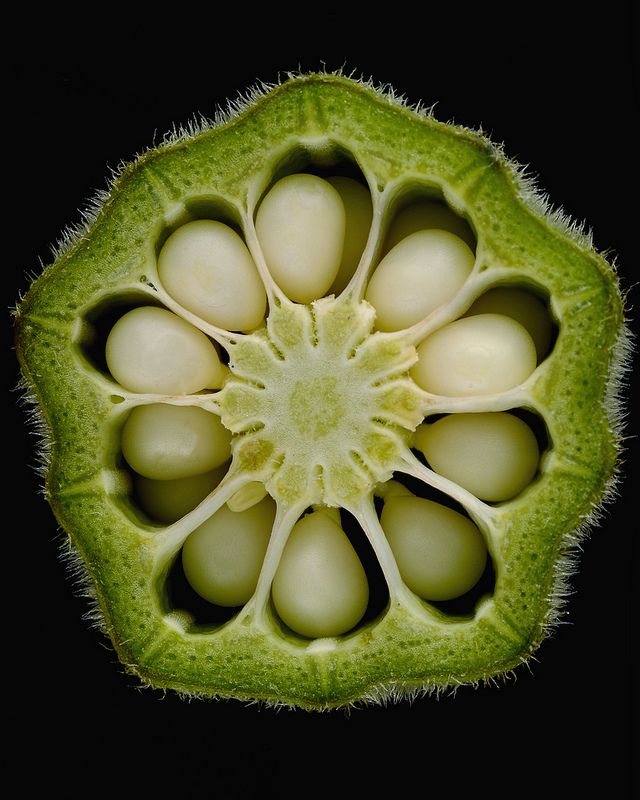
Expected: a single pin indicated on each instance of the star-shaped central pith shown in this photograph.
(321, 406)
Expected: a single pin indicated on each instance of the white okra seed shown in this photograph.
(483, 354)
(152, 350)
(425, 214)
(492, 455)
(223, 557)
(164, 442)
(421, 273)
(331, 511)
(358, 207)
(440, 554)
(207, 268)
(524, 307)
(320, 588)
(250, 494)
(300, 226)
(169, 501)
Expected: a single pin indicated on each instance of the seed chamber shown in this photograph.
(321, 404)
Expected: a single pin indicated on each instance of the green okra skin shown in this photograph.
(321, 399)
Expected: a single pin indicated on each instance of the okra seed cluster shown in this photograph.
(326, 356)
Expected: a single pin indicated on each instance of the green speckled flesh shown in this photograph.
(410, 645)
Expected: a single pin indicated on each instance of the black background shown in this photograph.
(559, 91)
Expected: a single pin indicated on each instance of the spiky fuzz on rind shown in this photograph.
(538, 203)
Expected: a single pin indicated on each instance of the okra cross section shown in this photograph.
(324, 410)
